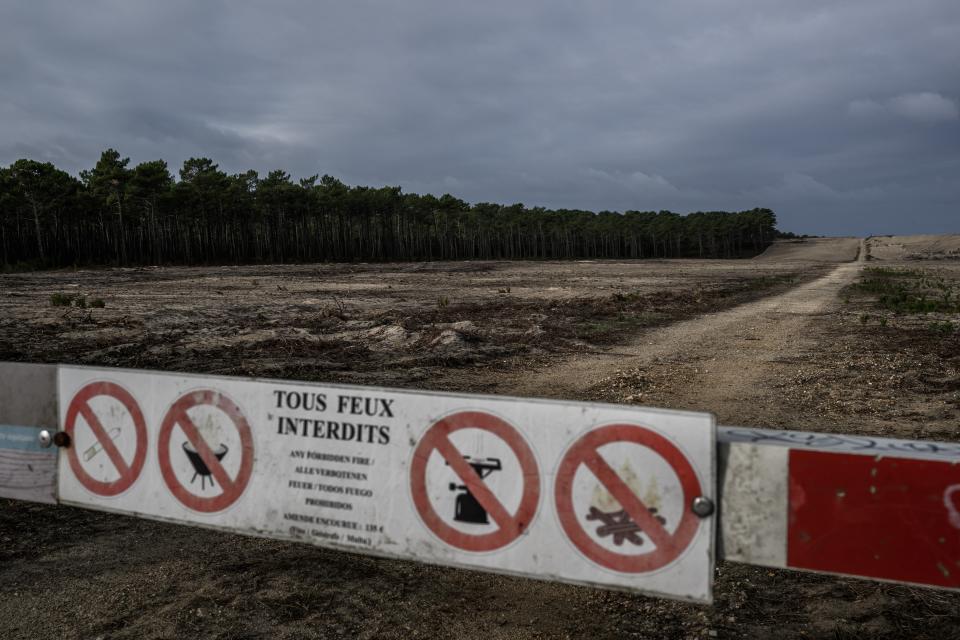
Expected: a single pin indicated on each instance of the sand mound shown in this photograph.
(924, 247)
(448, 338)
(812, 250)
(389, 336)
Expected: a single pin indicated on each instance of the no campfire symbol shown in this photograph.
(619, 506)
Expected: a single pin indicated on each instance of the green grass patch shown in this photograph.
(943, 328)
(602, 329)
(908, 291)
(61, 300)
(75, 300)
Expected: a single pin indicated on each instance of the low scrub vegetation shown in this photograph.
(944, 327)
(75, 300)
(911, 300)
(908, 291)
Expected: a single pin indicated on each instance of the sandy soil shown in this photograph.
(925, 247)
(812, 250)
(726, 351)
(397, 324)
(784, 351)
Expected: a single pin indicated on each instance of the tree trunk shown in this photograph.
(36, 221)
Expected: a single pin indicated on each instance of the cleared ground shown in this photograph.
(766, 342)
(925, 247)
(724, 355)
(401, 324)
(812, 249)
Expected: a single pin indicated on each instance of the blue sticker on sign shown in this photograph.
(17, 438)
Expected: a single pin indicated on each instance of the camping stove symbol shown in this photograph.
(467, 509)
(199, 466)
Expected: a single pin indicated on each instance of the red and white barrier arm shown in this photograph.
(851, 505)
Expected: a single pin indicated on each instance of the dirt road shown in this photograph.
(724, 358)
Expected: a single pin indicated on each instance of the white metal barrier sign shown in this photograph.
(585, 493)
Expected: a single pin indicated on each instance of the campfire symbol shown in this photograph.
(613, 518)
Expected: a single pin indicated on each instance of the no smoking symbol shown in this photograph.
(484, 502)
(205, 461)
(107, 427)
(669, 545)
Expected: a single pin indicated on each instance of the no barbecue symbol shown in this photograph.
(107, 427)
(635, 517)
(204, 461)
(478, 500)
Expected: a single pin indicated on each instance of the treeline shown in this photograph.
(115, 214)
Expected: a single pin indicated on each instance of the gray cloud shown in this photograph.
(843, 118)
(925, 106)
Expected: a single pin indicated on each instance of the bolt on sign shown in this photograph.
(576, 492)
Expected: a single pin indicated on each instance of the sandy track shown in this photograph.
(730, 353)
(812, 250)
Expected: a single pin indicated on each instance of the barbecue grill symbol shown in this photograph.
(613, 518)
(199, 466)
(467, 508)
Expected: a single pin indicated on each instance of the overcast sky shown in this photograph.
(843, 117)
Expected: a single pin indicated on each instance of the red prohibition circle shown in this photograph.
(231, 488)
(669, 546)
(80, 405)
(511, 526)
